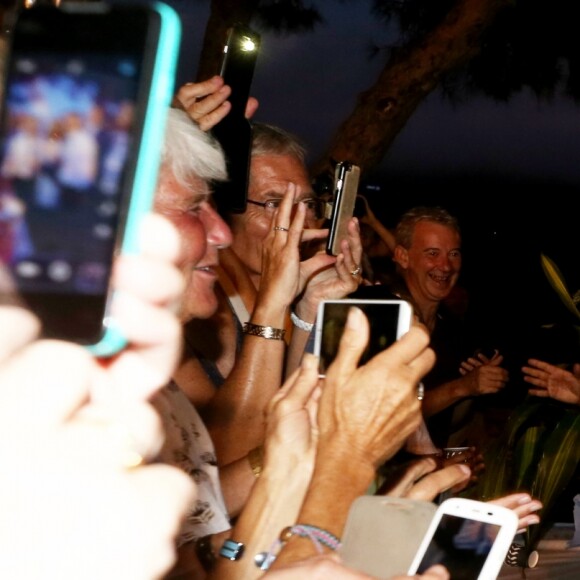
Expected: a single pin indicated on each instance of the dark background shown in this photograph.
(508, 170)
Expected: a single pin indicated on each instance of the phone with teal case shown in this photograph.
(86, 93)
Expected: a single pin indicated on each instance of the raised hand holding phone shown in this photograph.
(85, 100)
(346, 180)
(234, 132)
(388, 319)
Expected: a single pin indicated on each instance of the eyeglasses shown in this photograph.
(314, 207)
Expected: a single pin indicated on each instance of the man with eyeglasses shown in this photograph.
(231, 388)
(277, 159)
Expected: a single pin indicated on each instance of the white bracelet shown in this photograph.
(301, 324)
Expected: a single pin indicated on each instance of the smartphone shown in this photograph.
(388, 319)
(382, 534)
(234, 131)
(470, 538)
(85, 99)
(346, 180)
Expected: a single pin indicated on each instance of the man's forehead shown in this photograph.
(271, 174)
(433, 231)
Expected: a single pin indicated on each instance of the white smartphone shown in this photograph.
(388, 319)
(470, 538)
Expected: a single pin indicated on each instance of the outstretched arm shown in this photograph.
(235, 415)
(479, 376)
(552, 381)
(365, 415)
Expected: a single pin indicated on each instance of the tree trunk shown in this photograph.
(382, 111)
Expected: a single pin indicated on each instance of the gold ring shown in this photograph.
(356, 272)
(280, 229)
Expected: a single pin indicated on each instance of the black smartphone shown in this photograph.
(85, 99)
(388, 319)
(234, 131)
(346, 180)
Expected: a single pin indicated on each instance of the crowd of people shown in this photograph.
(210, 447)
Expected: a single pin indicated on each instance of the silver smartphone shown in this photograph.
(346, 180)
(470, 538)
(388, 319)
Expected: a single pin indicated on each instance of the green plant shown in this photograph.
(539, 450)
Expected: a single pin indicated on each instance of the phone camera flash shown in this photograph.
(248, 45)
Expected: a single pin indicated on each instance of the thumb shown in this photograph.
(352, 344)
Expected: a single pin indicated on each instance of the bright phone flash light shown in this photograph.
(248, 45)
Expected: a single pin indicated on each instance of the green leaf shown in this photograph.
(500, 467)
(526, 455)
(557, 282)
(560, 458)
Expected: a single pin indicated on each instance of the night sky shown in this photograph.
(509, 171)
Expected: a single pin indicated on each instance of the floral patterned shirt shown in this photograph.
(189, 447)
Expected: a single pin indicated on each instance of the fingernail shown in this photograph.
(524, 500)
(354, 318)
(464, 468)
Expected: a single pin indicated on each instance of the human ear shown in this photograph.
(401, 256)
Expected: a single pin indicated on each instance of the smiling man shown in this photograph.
(428, 257)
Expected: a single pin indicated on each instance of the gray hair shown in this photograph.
(188, 150)
(271, 140)
(406, 225)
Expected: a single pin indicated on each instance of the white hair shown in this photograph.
(187, 150)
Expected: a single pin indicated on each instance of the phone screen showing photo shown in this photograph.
(66, 136)
(461, 545)
(383, 319)
(72, 115)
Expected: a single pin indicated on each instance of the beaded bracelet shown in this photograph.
(316, 535)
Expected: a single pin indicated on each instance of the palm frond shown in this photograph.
(557, 282)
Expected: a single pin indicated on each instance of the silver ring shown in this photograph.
(420, 391)
(280, 229)
(356, 272)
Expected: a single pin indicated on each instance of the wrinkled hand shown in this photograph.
(372, 409)
(283, 274)
(482, 375)
(552, 381)
(424, 479)
(479, 360)
(206, 102)
(524, 507)
(291, 426)
(335, 280)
